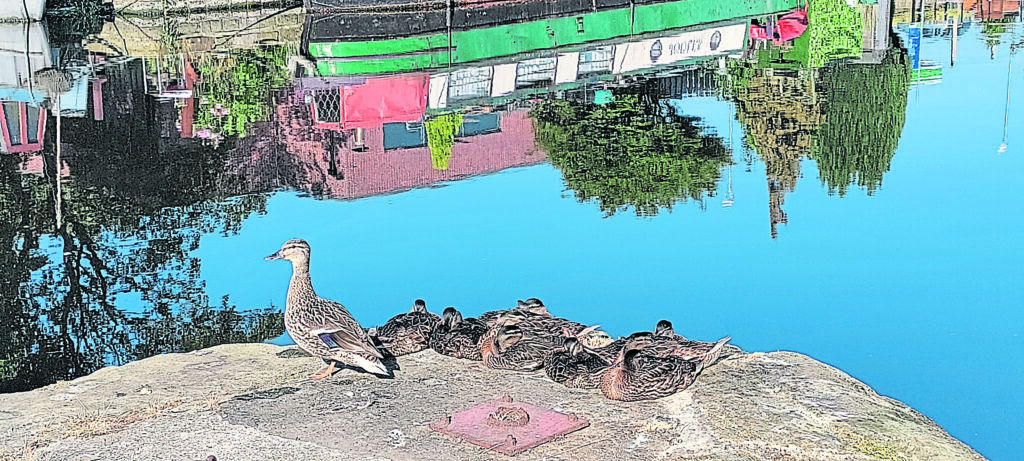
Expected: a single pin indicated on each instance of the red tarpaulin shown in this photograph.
(787, 27)
(400, 98)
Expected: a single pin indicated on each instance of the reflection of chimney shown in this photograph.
(359, 140)
(776, 198)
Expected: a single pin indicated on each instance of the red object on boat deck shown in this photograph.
(508, 427)
(787, 27)
(400, 98)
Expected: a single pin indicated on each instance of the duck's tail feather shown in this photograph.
(715, 352)
(372, 365)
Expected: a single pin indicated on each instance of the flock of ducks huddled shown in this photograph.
(644, 365)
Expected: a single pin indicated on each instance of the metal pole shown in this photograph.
(56, 204)
(952, 52)
(1006, 113)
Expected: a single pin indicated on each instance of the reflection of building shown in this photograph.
(993, 10)
(367, 156)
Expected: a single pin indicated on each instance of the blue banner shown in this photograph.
(914, 38)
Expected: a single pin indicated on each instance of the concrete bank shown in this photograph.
(253, 401)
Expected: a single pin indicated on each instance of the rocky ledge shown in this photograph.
(254, 401)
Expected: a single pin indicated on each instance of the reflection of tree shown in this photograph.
(780, 113)
(627, 154)
(133, 213)
(865, 107)
(235, 89)
(848, 117)
(835, 31)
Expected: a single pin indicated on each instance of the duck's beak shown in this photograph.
(276, 255)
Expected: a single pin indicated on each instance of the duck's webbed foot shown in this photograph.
(325, 372)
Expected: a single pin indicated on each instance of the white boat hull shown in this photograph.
(22, 10)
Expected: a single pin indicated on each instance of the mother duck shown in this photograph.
(322, 327)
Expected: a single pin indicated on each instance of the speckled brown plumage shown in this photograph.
(532, 307)
(641, 375)
(458, 337)
(322, 327)
(409, 332)
(512, 347)
(707, 352)
(574, 366)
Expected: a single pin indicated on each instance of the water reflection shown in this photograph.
(124, 152)
(120, 154)
(630, 152)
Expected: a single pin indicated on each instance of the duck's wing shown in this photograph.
(338, 330)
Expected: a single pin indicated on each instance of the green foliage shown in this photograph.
(235, 90)
(441, 133)
(7, 369)
(625, 154)
(835, 31)
(865, 109)
(993, 30)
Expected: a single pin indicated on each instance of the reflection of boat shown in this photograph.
(21, 10)
(336, 46)
(359, 102)
(24, 50)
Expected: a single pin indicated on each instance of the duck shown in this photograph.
(322, 327)
(407, 333)
(664, 329)
(511, 347)
(520, 342)
(532, 307)
(707, 352)
(574, 366)
(640, 374)
(457, 337)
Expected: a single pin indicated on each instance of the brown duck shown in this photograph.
(532, 307)
(322, 327)
(409, 332)
(573, 365)
(511, 347)
(458, 337)
(707, 352)
(643, 375)
(664, 329)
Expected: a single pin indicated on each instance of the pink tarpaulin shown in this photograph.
(400, 98)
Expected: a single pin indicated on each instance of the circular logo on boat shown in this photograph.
(716, 39)
(655, 50)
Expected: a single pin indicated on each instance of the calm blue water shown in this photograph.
(913, 288)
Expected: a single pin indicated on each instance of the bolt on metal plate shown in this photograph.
(508, 427)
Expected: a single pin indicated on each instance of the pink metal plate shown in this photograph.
(508, 427)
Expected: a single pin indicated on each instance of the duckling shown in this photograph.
(572, 365)
(641, 375)
(509, 347)
(458, 337)
(322, 327)
(409, 332)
